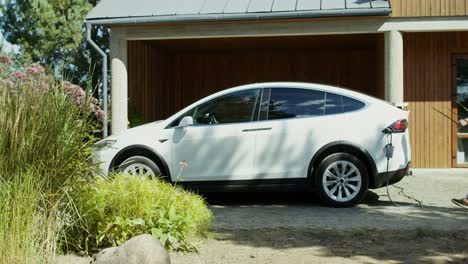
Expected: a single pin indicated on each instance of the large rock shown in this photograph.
(144, 249)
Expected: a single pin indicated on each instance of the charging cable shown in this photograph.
(389, 149)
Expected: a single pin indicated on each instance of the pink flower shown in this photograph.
(94, 101)
(32, 71)
(6, 83)
(44, 85)
(35, 69)
(6, 60)
(101, 115)
(183, 164)
(20, 76)
(75, 92)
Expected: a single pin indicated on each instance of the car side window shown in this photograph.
(293, 103)
(337, 104)
(350, 104)
(333, 104)
(233, 108)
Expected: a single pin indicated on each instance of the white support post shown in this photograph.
(119, 82)
(394, 67)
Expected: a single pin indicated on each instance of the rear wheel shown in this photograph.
(139, 166)
(342, 180)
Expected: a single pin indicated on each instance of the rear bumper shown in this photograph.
(380, 180)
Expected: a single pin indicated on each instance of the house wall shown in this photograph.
(418, 8)
(165, 76)
(428, 89)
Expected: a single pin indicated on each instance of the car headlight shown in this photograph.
(106, 143)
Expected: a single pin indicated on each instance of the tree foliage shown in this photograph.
(52, 32)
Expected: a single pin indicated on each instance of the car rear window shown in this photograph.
(292, 103)
(350, 104)
(337, 104)
(334, 104)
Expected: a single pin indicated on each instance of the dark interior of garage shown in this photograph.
(167, 75)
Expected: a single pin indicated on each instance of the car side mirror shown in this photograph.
(186, 121)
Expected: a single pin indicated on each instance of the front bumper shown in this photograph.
(103, 157)
(393, 177)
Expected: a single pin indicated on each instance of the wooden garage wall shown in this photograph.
(428, 89)
(148, 70)
(165, 76)
(162, 80)
(416, 8)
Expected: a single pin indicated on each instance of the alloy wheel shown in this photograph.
(139, 170)
(342, 181)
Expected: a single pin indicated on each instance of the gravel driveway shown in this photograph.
(273, 210)
(295, 228)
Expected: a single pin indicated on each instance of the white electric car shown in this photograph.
(283, 136)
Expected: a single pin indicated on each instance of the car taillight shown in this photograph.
(399, 126)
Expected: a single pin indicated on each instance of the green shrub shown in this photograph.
(45, 124)
(45, 146)
(135, 118)
(112, 211)
(29, 225)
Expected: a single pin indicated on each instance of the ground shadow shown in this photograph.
(359, 246)
(283, 198)
(374, 231)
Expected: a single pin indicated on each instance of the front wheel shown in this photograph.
(139, 166)
(342, 180)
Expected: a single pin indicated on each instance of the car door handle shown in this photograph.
(257, 129)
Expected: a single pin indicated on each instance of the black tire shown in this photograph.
(341, 159)
(141, 160)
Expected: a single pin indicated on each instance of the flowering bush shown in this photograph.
(34, 78)
(46, 140)
(45, 123)
(48, 197)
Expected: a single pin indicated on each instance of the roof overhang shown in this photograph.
(122, 12)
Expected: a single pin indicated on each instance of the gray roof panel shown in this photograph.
(142, 10)
(189, 7)
(308, 5)
(334, 4)
(154, 11)
(260, 6)
(358, 4)
(213, 6)
(119, 8)
(284, 5)
(236, 6)
(164, 7)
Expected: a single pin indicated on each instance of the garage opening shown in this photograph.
(167, 75)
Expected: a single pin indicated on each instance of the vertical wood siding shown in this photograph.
(416, 8)
(166, 76)
(163, 78)
(428, 89)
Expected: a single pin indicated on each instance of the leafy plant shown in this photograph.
(114, 210)
(45, 147)
(29, 226)
(135, 118)
(53, 33)
(45, 124)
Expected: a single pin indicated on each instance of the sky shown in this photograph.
(7, 47)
